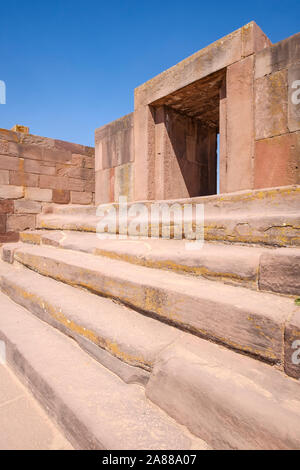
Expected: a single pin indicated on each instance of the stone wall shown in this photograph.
(35, 171)
(277, 115)
(114, 158)
(240, 87)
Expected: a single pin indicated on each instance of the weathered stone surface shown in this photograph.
(4, 177)
(240, 119)
(6, 206)
(277, 161)
(271, 104)
(19, 128)
(232, 317)
(81, 197)
(114, 143)
(294, 97)
(34, 166)
(27, 207)
(83, 161)
(231, 401)
(53, 182)
(292, 345)
(112, 419)
(104, 186)
(253, 39)
(123, 182)
(37, 194)
(9, 237)
(18, 222)
(280, 271)
(11, 192)
(19, 178)
(61, 196)
(278, 56)
(2, 223)
(10, 163)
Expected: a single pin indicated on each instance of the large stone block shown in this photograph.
(19, 178)
(81, 197)
(27, 207)
(2, 223)
(240, 125)
(34, 166)
(6, 206)
(271, 103)
(114, 143)
(253, 39)
(104, 191)
(294, 97)
(19, 222)
(37, 194)
(83, 161)
(280, 271)
(53, 182)
(278, 57)
(9, 237)
(10, 163)
(277, 161)
(11, 192)
(4, 177)
(124, 182)
(61, 196)
(292, 345)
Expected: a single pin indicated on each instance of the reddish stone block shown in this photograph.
(103, 187)
(277, 161)
(27, 207)
(23, 179)
(19, 222)
(8, 135)
(240, 125)
(81, 197)
(294, 97)
(3, 147)
(57, 156)
(4, 176)
(74, 172)
(9, 237)
(10, 163)
(6, 206)
(53, 182)
(61, 196)
(34, 166)
(83, 161)
(76, 184)
(2, 223)
(271, 105)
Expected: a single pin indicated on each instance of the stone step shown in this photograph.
(93, 406)
(261, 268)
(281, 229)
(231, 400)
(269, 217)
(242, 319)
(280, 199)
(123, 340)
(228, 400)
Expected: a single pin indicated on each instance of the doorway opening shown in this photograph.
(186, 140)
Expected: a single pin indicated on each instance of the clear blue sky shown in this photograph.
(71, 66)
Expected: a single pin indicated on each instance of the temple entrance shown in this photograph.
(186, 139)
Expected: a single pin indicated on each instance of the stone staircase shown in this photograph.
(142, 344)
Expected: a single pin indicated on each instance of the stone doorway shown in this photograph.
(186, 128)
